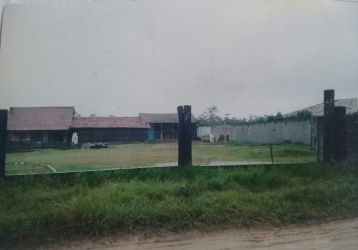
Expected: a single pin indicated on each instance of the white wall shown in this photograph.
(299, 131)
(202, 131)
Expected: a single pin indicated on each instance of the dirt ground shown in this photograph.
(342, 235)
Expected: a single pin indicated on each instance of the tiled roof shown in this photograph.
(40, 118)
(317, 110)
(162, 118)
(108, 122)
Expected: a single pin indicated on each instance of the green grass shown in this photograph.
(147, 154)
(36, 210)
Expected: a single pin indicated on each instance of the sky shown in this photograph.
(127, 57)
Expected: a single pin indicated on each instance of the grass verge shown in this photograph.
(46, 209)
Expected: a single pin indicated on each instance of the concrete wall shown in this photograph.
(317, 124)
(203, 131)
(299, 131)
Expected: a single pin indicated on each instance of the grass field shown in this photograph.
(50, 209)
(149, 154)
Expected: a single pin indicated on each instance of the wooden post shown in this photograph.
(3, 141)
(328, 125)
(339, 135)
(184, 136)
(271, 154)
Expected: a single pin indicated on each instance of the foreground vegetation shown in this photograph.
(55, 208)
(148, 154)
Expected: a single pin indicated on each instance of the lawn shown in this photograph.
(149, 154)
(49, 209)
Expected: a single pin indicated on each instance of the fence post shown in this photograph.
(328, 125)
(339, 134)
(184, 136)
(271, 154)
(3, 141)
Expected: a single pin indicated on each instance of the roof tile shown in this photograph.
(108, 122)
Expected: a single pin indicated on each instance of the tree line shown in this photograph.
(210, 118)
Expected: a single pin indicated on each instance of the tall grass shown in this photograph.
(47, 209)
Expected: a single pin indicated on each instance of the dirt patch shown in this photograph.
(342, 235)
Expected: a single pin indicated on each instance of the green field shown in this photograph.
(38, 210)
(149, 154)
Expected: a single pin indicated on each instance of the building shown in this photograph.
(41, 126)
(109, 129)
(164, 126)
(351, 105)
(54, 127)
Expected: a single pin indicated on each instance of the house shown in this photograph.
(164, 126)
(41, 126)
(109, 129)
(351, 105)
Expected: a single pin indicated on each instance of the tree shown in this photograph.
(279, 117)
(210, 112)
(227, 119)
(93, 115)
(209, 117)
(76, 113)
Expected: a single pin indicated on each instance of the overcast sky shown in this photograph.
(125, 57)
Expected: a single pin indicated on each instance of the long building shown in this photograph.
(54, 127)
